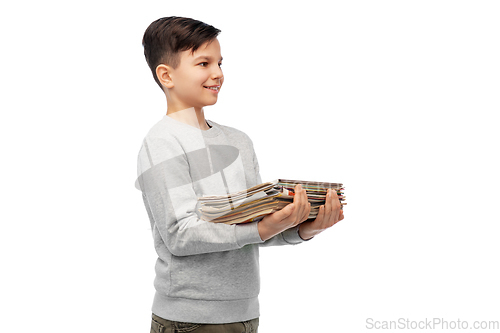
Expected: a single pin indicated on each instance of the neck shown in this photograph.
(192, 116)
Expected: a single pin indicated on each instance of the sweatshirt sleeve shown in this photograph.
(287, 237)
(171, 202)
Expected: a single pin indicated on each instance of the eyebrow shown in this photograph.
(205, 57)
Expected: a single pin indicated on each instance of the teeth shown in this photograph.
(213, 88)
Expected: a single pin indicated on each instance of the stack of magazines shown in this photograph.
(263, 199)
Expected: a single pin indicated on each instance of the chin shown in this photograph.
(212, 103)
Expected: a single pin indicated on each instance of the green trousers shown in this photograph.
(160, 325)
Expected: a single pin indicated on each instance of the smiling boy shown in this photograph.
(198, 79)
(207, 274)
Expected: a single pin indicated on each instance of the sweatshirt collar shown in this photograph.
(212, 132)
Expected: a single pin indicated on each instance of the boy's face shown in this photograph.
(197, 80)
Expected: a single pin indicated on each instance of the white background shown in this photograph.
(396, 99)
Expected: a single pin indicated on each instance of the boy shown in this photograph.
(207, 274)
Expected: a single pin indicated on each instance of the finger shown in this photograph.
(334, 213)
(328, 205)
(338, 206)
(303, 194)
(321, 214)
(335, 197)
(341, 217)
(302, 203)
(296, 201)
(308, 207)
(297, 197)
(305, 206)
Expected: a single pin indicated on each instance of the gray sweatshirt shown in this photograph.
(205, 272)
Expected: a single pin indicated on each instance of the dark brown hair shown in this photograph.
(167, 36)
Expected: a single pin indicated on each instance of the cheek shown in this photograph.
(201, 78)
(192, 78)
(196, 77)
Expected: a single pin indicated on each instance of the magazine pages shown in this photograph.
(263, 199)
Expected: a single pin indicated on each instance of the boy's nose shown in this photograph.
(217, 74)
(217, 77)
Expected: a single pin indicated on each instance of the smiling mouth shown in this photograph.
(215, 88)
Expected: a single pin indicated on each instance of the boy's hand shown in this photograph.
(288, 217)
(329, 214)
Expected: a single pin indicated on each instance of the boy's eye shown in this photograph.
(205, 64)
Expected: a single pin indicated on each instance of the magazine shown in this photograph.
(263, 199)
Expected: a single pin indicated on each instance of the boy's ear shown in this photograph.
(163, 75)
